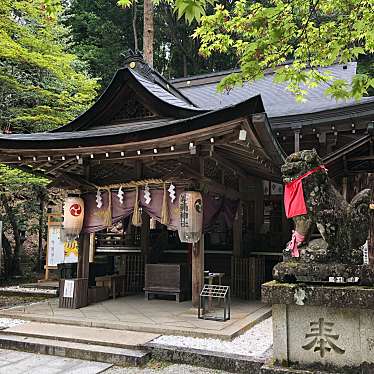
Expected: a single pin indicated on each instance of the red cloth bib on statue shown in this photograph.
(294, 202)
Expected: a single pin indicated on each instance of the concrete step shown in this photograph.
(84, 351)
(82, 334)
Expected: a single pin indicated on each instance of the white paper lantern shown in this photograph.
(73, 217)
(191, 217)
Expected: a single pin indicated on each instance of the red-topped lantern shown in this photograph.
(73, 217)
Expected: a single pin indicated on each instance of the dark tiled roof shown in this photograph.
(136, 130)
(115, 129)
(278, 101)
(163, 94)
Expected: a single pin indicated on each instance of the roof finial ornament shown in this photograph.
(135, 61)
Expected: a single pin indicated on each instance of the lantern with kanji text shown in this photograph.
(191, 216)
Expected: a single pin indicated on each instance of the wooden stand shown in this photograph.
(197, 271)
(80, 294)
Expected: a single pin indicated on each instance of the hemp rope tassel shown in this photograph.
(136, 216)
(165, 218)
(108, 213)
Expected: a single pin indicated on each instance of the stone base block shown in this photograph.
(322, 327)
(275, 369)
(296, 270)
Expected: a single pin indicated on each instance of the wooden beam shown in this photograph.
(361, 158)
(227, 164)
(77, 181)
(59, 165)
(200, 135)
(214, 186)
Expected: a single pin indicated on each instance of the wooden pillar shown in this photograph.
(92, 248)
(259, 204)
(83, 256)
(286, 232)
(197, 259)
(238, 223)
(197, 270)
(144, 236)
(297, 140)
(371, 221)
(237, 229)
(345, 188)
(84, 245)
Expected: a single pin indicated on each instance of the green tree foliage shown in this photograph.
(41, 85)
(177, 53)
(191, 10)
(100, 32)
(313, 34)
(19, 210)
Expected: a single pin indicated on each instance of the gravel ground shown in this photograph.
(28, 290)
(8, 301)
(10, 322)
(160, 368)
(254, 342)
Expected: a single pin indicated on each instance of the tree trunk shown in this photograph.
(134, 14)
(7, 251)
(16, 234)
(40, 232)
(184, 66)
(148, 34)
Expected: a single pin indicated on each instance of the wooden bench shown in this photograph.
(167, 279)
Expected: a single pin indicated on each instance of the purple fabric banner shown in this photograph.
(94, 217)
(214, 205)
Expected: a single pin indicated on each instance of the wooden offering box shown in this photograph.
(167, 279)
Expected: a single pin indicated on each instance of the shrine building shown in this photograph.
(148, 140)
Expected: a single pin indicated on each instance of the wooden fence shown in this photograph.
(134, 273)
(247, 275)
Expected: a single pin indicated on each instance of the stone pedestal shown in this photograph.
(317, 327)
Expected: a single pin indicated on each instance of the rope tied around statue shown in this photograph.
(294, 203)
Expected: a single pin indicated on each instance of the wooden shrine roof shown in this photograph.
(129, 130)
(355, 157)
(143, 117)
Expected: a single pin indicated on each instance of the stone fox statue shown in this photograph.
(344, 227)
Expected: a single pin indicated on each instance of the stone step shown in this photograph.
(84, 351)
(83, 334)
(271, 369)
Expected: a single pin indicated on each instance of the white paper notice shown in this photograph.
(69, 288)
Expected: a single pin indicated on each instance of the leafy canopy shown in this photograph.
(312, 34)
(41, 85)
(190, 9)
(14, 180)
